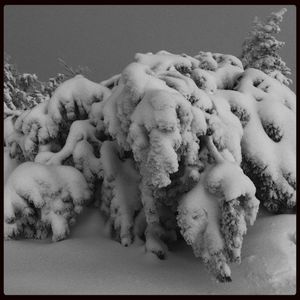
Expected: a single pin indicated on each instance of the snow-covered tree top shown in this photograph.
(261, 49)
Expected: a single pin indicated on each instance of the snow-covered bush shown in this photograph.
(46, 126)
(173, 146)
(261, 49)
(213, 216)
(39, 199)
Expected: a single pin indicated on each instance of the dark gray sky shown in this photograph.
(105, 38)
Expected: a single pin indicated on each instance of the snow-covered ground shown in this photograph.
(89, 262)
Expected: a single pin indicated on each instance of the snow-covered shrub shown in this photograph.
(164, 107)
(213, 216)
(46, 126)
(173, 145)
(39, 199)
(260, 48)
(53, 194)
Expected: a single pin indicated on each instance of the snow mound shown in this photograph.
(270, 256)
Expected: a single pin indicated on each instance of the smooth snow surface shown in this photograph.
(91, 263)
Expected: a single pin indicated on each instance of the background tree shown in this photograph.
(261, 49)
(21, 91)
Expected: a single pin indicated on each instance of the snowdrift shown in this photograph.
(90, 263)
